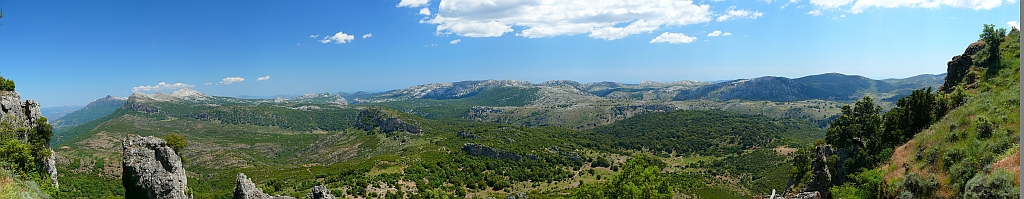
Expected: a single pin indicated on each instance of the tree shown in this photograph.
(911, 115)
(855, 125)
(993, 38)
(640, 178)
(176, 142)
(44, 131)
(6, 84)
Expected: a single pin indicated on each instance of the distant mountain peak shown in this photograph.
(183, 94)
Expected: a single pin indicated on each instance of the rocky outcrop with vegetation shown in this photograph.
(245, 189)
(320, 192)
(375, 118)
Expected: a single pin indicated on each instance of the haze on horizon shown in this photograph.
(72, 52)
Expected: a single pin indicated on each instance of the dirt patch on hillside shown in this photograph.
(1011, 164)
(784, 150)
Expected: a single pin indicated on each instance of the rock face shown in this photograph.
(51, 169)
(245, 189)
(151, 169)
(956, 69)
(16, 112)
(320, 192)
(377, 118)
(821, 179)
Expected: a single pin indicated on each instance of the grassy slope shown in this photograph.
(953, 150)
(13, 188)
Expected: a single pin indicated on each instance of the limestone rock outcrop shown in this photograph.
(320, 192)
(151, 169)
(51, 169)
(245, 189)
(16, 112)
(369, 119)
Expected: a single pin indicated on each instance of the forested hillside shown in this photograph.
(959, 141)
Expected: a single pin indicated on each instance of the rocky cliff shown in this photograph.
(372, 118)
(17, 113)
(151, 169)
(957, 68)
(245, 189)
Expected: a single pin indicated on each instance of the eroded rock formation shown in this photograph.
(151, 169)
(320, 192)
(245, 189)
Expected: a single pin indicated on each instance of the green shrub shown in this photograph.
(998, 184)
(6, 84)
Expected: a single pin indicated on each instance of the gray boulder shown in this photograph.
(151, 169)
(517, 195)
(320, 192)
(245, 189)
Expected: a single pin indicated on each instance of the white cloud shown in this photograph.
(425, 11)
(161, 86)
(455, 41)
(367, 35)
(715, 33)
(727, 34)
(859, 6)
(814, 12)
(338, 38)
(607, 20)
(1014, 24)
(673, 38)
(230, 80)
(313, 36)
(733, 13)
(863, 5)
(263, 78)
(207, 84)
(830, 4)
(413, 3)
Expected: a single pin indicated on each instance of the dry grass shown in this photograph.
(782, 150)
(901, 156)
(1011, 164)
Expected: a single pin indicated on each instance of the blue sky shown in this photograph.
(72, 52)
